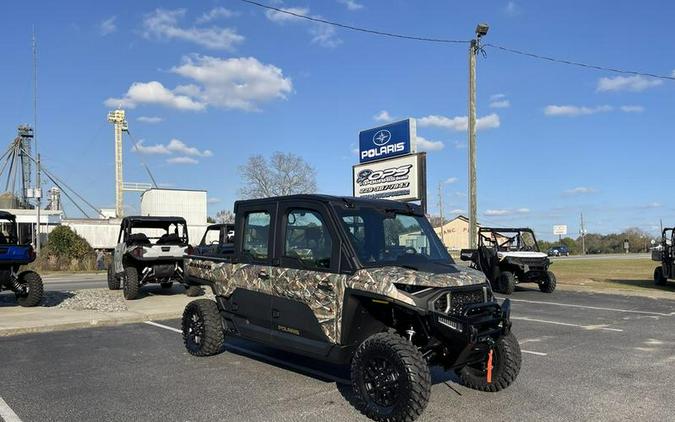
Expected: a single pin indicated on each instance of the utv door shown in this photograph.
(306, 281)
(251, 301)
(118, 254)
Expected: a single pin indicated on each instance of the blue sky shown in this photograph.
(208, 84)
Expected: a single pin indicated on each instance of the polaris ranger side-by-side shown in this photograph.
(509, 256)
(365, 283)
(149, 250)
(665, 255)
(26, 285)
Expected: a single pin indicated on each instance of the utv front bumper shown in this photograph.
(465, 337)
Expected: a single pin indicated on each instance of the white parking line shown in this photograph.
(533, 353)
(597, 308)
(166, 327)
(567, 324)
(6, 412)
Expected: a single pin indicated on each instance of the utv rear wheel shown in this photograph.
(113, 281)
(547, 285)
(202, 328)
(659, 278)
(131, 286)
(390, 378)
(506, 361)
(32, 289)
(506, 282)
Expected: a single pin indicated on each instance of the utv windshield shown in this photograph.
(388, 238)
(510, 241)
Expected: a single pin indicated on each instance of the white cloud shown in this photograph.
(383, 116)
(451, 180)
(175, 146)
(215, 13)
(580, 190)
(496, 97)
(424, 144)
(632, 109)
(107, 26)
(459, 144)
(653, 205)
(182, 160)
(457, 211)
(150, 119)
(459, 123)
(673, 73)
(213, 200)
(154, 92)
(163, 24)
(351, 4)
(570, 110)
(512, 9)
(505, 212)
(179, 147)
(500, 104)
(635, 83)
(322, 34)
(239, 83)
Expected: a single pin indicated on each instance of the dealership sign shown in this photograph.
(560, 230)
(401, 179)
(387, 141)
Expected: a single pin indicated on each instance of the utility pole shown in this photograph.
(119, 121)
(440, 207)
(583, 235)
(481, 30)
(38, 187)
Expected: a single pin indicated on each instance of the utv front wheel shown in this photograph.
(131, 287)
(506, 361)
(547, 285)
(32, 289)
(506, 282)
(390, 378)
(113, 281)
(202, 328)
(659, 278)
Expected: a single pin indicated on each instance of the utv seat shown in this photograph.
(169, 239)
(139, 239)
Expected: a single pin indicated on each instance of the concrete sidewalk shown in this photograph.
(17, 320)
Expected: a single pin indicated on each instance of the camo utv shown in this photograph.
(363, 283)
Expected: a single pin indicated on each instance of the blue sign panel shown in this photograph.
(387, 141)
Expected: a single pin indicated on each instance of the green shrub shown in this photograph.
(66, 251)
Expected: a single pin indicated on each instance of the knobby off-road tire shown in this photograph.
(202, 328)
(131, 286)
(549, 282)
(506, 361)
(390, 379)
(506, 283)
(33, 296)
(193, 291)
(113, 281)
(659, 278)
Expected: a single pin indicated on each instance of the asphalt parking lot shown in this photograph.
(586, 357)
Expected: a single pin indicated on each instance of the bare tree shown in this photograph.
(224, 216)
(282, 174)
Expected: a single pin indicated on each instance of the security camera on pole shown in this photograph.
(481, 30)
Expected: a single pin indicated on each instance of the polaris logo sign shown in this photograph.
(387, 141)
(397, 178)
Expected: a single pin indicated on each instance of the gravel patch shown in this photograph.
(101, 300)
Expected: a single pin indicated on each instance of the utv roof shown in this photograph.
(151, 222)
(505, 229)
(4, 215)
(348, 201)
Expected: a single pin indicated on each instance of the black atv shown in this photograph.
(26, 285)
(509, 256)
(664, 254)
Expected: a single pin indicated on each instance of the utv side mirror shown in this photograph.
(466, 254)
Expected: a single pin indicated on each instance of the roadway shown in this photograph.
(585, 357)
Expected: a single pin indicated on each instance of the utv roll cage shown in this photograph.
(161, 223)
(499, 238)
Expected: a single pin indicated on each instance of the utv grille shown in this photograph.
(453, 303)
(533, 262)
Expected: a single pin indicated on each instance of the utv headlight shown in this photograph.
(442, 303)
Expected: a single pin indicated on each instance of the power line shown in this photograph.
(356, 28)
(451, 41)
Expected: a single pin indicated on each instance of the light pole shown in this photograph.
(481, 30)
